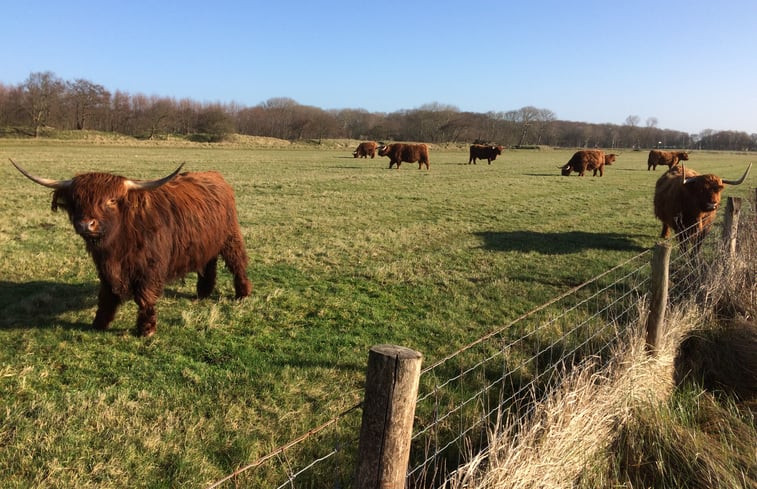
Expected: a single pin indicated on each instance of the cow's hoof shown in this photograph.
(99, 326)
(146, 332)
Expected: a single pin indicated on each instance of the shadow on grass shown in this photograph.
(39, 304)
(556, 243)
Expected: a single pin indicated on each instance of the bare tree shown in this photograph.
(214, 123)
(87, 100)
(11, 112)
(121, 115)
(42, 93)
(632, 133)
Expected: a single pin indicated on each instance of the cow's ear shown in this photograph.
(60, 199)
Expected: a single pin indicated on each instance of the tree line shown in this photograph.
(45, 101)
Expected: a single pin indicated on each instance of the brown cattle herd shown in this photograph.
(143, 234)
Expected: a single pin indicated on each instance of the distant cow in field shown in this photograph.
(588, 159)
(479, 151)
(686, 201)
(141, 234)
(365, 149)
(670, 158)
(399, 152)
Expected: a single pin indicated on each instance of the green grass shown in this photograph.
(344, 254)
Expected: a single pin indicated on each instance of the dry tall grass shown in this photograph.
(685, 418)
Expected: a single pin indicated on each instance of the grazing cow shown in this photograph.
(670, 158)
(365, 149)
(686, 201)
(399, 152)
(479, 151)
(588, 159)
(141, 234)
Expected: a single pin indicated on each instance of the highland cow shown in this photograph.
(365, 149)
(669, 158)
(399, 152)
(142, 234)
(481, 152)
(686, 201)
(587, 159)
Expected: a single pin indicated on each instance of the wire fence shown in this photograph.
(464, 394)
(511, 368)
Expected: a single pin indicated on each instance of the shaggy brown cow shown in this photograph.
(588, 159)
(141, 234)
(670, 158)
(686, 201)
(484, 152)
(365, 149)
(399, 152)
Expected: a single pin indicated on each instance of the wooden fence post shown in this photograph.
(391, 389)
(660, 275)
(731, 224)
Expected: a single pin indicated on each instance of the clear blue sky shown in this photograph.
(690, 64)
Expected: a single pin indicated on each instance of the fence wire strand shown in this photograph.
(504, 372)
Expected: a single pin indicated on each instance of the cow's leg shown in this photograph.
(236, 261)
(489, 160)
(206, 280)
(665, 231)
(147, 320)
(107, 304)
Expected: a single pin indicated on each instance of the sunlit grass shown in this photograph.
(344, 254)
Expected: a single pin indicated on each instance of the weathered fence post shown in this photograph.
(391, 389)
(660, 274)
(731, 224)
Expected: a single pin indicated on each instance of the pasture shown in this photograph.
(344, 254)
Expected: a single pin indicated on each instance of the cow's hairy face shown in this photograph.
(383, 150)
(93, 204)
(610, 159)
(683, 156)
(706, 191)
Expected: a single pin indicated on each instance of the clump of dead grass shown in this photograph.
(671, 420)
(570, 429)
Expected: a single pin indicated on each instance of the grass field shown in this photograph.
(344, 254)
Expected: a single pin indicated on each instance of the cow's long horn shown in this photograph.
(740, 180)
(56, 184)
(151, 184)
(683, 175)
